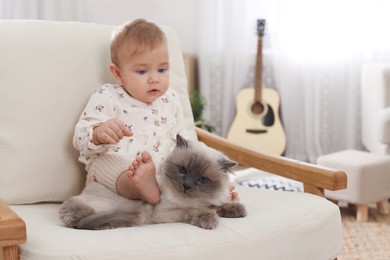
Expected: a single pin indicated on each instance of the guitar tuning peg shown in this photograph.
(260, 26)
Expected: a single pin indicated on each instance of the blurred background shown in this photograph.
(313, 51)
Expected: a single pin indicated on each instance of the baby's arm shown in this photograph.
(99, 110)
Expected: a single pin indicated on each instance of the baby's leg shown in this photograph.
(139, 181)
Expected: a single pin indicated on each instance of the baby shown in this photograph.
(127, 129)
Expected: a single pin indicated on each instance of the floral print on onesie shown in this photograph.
(154, 128)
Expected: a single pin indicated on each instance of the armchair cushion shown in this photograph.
(273, 229)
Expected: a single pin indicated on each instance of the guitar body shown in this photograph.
(257, 124)
(261, 132)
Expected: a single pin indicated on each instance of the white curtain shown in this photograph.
(58, 10)
(227, 44)
(315, 50)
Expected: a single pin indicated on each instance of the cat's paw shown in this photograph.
(207, 220)
(231, 210)
(72, 212)
(105, 226)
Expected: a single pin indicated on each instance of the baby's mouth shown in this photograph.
(153, 91)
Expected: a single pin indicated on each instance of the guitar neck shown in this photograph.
(259, 68)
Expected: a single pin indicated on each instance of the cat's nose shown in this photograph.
(186, 187)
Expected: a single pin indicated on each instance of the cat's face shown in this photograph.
(196, 171)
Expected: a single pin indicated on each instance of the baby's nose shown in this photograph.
(154, 78)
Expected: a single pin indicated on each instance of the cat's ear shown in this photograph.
(181, 142)
(225, 164)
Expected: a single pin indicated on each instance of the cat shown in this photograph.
(193, 181)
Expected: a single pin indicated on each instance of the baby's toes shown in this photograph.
(138, 158)
(135, 164)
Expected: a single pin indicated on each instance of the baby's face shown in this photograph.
(145, 76)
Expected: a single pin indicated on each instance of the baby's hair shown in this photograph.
(138, 36)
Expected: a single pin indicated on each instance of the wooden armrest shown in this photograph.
(12, 232)
(314, 178)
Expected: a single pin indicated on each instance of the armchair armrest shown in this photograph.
(314, 178)
(12, 232)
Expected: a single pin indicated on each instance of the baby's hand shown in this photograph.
(233, 195)
(110, 132)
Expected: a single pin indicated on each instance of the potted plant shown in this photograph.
(197, 104)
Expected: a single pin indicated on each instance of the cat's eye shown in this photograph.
(181, 169)
(203, 180)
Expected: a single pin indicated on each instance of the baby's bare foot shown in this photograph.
(142, 174)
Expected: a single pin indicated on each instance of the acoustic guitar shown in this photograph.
(257, 123)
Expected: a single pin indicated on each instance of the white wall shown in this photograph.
(178, 14)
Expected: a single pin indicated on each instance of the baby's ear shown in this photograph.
(225, 164)
(181, 142)
(115, 71)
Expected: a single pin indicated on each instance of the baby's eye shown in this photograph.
(162, 70)
(203, 180)
(181, 169)
(141, 72)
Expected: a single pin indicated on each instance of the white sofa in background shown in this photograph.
(368, 171)
(47, 72)
(375, 98)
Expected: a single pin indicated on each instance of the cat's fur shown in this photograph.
(194, 189)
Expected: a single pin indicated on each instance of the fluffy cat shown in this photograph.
(194, 189)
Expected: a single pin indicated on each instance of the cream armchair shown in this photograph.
(47, 72)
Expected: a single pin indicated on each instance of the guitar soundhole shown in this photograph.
(269, 118)
(257, 108)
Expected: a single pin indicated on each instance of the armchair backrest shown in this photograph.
(375, 97)
(47, 72)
